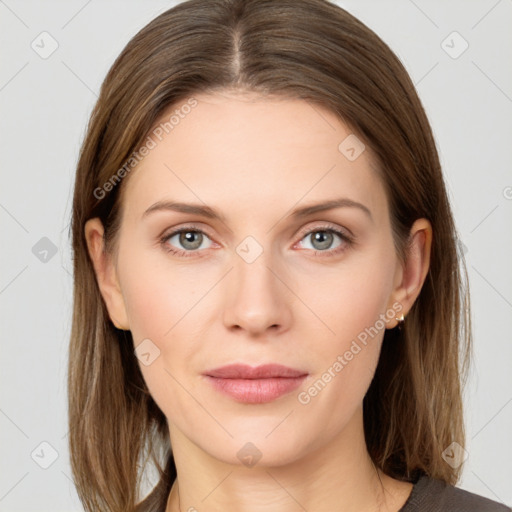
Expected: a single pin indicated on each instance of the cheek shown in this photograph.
(164, 304)
(158, 294)
(352, 298)
(353, 303)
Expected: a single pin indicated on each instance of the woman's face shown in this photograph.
(263, 281)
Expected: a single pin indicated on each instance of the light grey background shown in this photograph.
(45, 104)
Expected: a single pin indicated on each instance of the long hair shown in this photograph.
(306, 49)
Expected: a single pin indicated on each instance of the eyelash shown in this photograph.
(348, 241)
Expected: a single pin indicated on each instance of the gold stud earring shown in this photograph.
(400, 320)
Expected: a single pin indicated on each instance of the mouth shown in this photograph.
(255, 385)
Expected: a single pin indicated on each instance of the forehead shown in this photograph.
(245, 149)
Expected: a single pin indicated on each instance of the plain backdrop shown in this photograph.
(456, 53)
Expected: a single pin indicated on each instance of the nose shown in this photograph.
(257, 298)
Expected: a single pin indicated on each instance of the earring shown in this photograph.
(400, 321)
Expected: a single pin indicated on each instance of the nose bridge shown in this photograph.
(257, 300)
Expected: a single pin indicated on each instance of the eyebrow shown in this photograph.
(211, 213)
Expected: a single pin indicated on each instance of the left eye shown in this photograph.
(322, 239)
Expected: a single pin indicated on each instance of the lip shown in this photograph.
(244, 371)
(255, 385)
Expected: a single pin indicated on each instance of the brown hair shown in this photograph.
(307, 49)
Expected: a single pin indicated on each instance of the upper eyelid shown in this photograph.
(327, 226)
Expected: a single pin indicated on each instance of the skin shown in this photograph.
(255, 160)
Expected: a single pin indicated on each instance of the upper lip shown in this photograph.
(243, 371)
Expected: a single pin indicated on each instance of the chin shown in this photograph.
(257, 442)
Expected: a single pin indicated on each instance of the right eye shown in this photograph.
(189, 241)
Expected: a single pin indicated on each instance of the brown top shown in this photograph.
(430, 495)
(427, 495)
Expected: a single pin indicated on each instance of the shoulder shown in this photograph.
(431, 495)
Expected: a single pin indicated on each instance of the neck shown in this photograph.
(339, 475)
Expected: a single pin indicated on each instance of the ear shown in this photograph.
(106, 274)
(411, 274)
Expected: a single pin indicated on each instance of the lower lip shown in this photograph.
(256, 391)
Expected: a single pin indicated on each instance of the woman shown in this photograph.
(266, 274)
